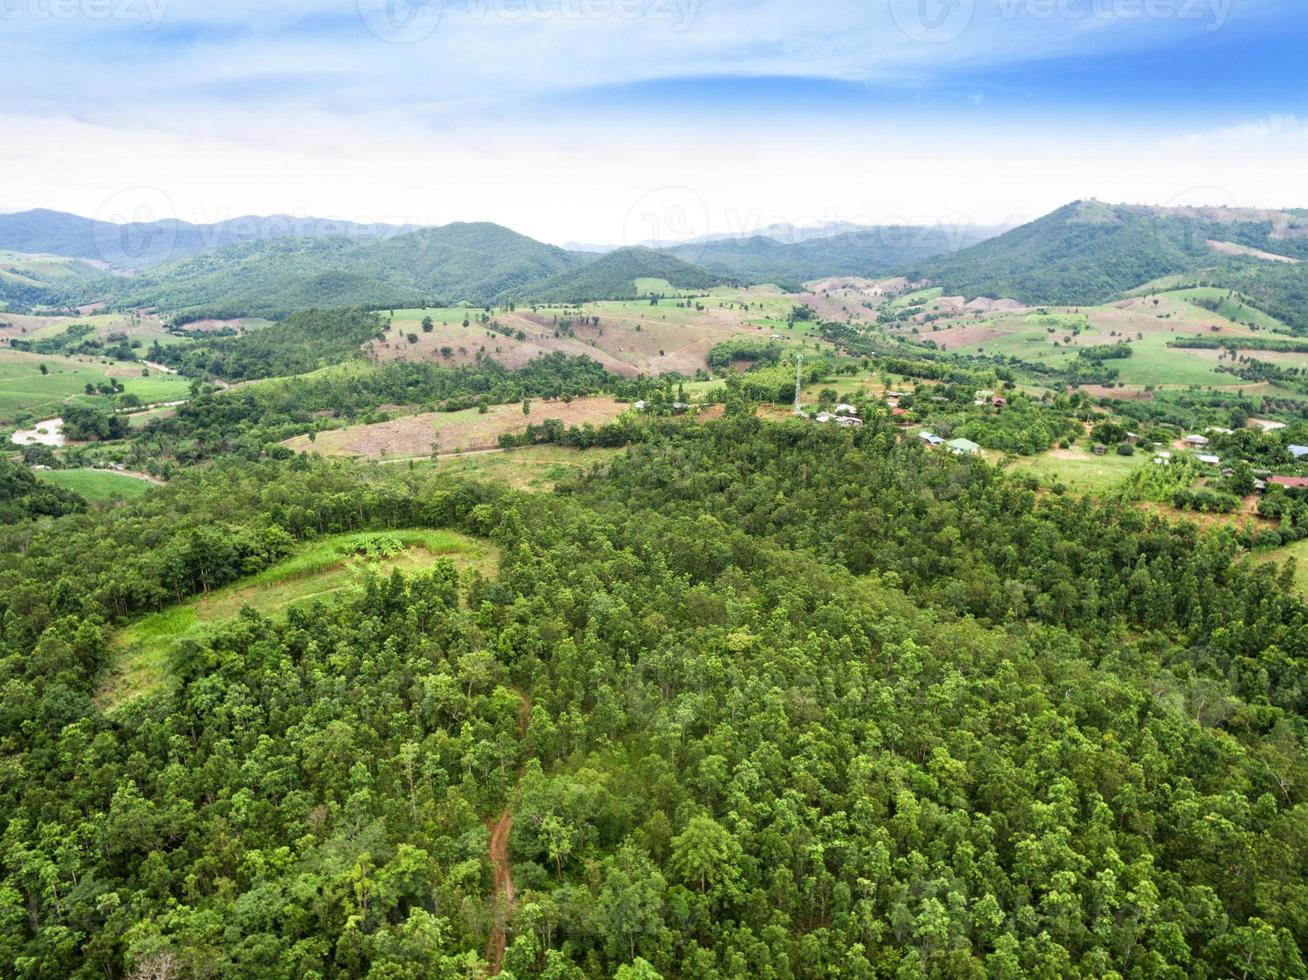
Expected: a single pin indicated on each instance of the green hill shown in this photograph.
(31, 280)
(456, 263)
(615, 275)
(872, 251)
(1088, 252)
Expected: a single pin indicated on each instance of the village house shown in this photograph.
(963, 447)
(1290, 482)
(1195, 441)
(930, 438)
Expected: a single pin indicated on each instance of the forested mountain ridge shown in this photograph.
(142, 244)
(868, 252)
(764, 699)
(613, 276)
(1087, 252)
(455, 263)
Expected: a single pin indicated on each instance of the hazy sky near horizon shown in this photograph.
(624, 120)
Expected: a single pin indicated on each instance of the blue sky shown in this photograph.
(567, 118)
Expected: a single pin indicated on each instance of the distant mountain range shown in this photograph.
(139, 245)
(870, 251)
(1086, 252)
(272, 266)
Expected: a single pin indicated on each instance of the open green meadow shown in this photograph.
(97, 486)
(1079, 472)
(25, 390)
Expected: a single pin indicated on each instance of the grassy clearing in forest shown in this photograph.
(328, 566)
(1079, 472)
(97, 486)
(24, 389)
(529, 468)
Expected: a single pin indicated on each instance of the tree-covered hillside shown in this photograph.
(614, 275)
(752, 700)
(872, 251)
(456, 263)
(1087, 253)
(301, 343)
(34, 280)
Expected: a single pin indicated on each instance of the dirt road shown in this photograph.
(502, 901)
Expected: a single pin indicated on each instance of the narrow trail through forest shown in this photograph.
(502, 897)
(501, 871)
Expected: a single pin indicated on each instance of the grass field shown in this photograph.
(327, 567)
(1299, 552)
(530, 468)
(414, 436)
(1233, 308)
(25, 390)
(97, 486)
(1079, 472)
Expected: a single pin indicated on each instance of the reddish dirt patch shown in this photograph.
(840, 306)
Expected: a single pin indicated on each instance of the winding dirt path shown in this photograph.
(503, 894)
(501, 871)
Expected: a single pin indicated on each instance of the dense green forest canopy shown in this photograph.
(301, 343)
(455, 263)
(24, 495)
(762, 700)
(872, 251)
(614, 275)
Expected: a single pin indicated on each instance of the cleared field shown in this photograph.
(1229, 307)
(1051, 336)
(97, 486)
(448, 432)
(628, 337)
(143, 327)
(24, 389)
(327, 567)
(537, 468)
(1079, 472)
